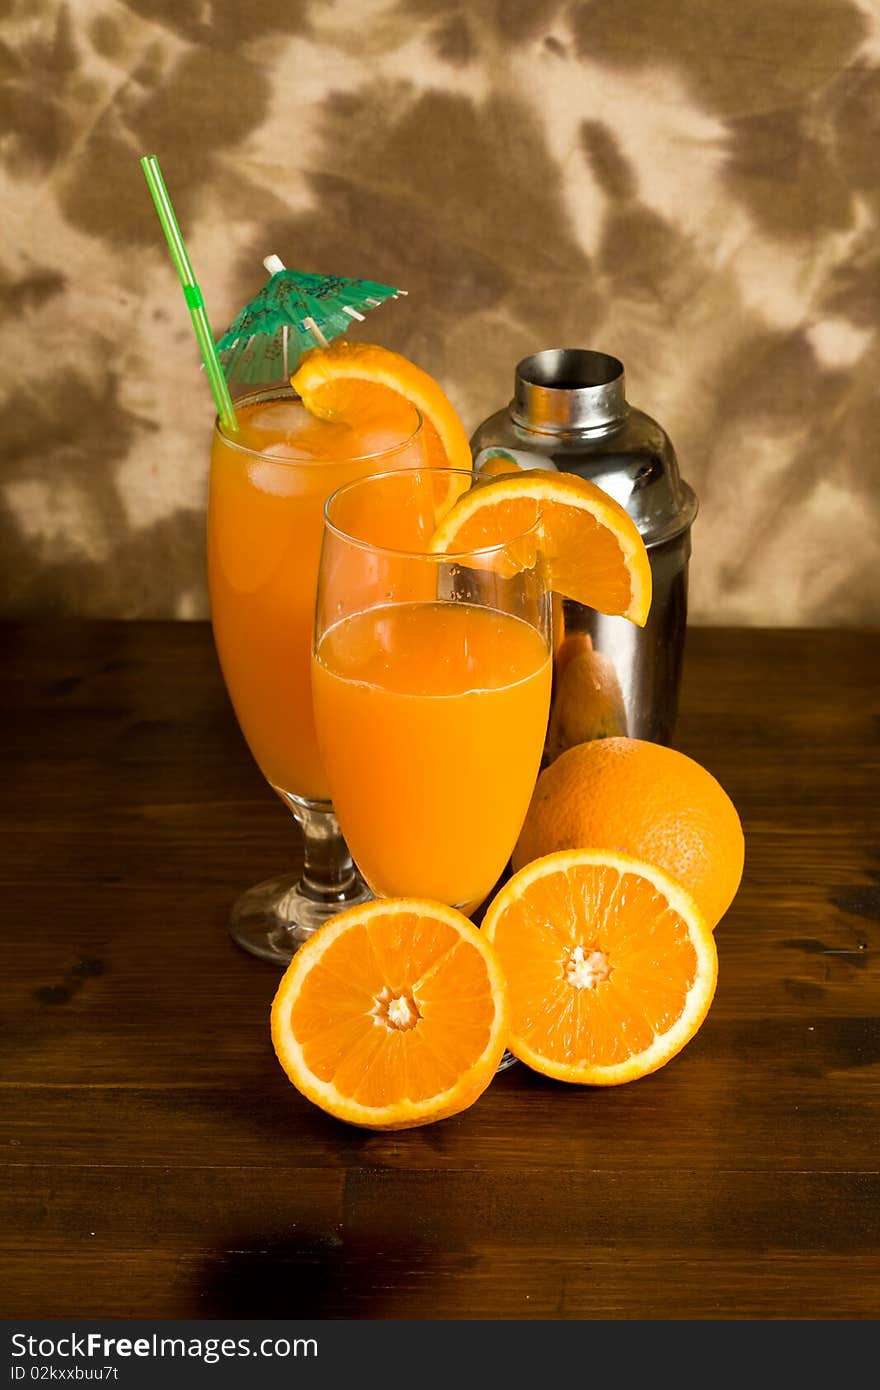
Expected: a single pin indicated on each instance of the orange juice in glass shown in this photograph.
(268, 487)
(431, 685)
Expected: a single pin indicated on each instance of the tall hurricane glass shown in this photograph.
(268, 487)
(431, 685)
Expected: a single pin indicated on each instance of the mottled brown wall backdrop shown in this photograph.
(689, 184)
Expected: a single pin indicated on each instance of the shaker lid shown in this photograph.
(574, 399)
(564, 389)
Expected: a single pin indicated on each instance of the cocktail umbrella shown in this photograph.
(293, 311)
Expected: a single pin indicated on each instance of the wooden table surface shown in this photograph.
(158, 1163)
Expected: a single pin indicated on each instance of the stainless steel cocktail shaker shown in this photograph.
(569, 411)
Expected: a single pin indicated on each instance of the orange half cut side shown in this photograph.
(611, 966)
(393, 1014)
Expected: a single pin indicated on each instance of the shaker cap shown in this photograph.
(564, 389)
(574, 401)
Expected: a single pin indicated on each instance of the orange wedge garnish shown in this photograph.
(346, 380)
(610, 965)
(593, 547)
(392, 1015)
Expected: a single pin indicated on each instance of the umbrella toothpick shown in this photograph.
(273, 264)
(315, 331)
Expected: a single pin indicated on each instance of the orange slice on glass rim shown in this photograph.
(593, 547)
(347, 381)
(392, 1015)
(610, 965)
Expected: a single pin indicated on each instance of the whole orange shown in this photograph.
(642, 799)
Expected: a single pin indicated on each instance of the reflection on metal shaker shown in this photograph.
(569, 411)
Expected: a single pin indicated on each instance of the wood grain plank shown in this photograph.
(441, 1244)
(140, 1099)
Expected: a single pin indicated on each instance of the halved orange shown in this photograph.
(593, 547)
(392, 1015)
(347, 380)
(610, 965)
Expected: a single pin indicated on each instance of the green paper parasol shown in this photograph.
(293, 311)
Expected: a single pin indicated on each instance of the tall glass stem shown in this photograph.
(329, 877)
(274, 918)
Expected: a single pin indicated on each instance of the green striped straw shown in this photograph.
(191, 292)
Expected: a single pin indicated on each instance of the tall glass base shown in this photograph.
(274, 918)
